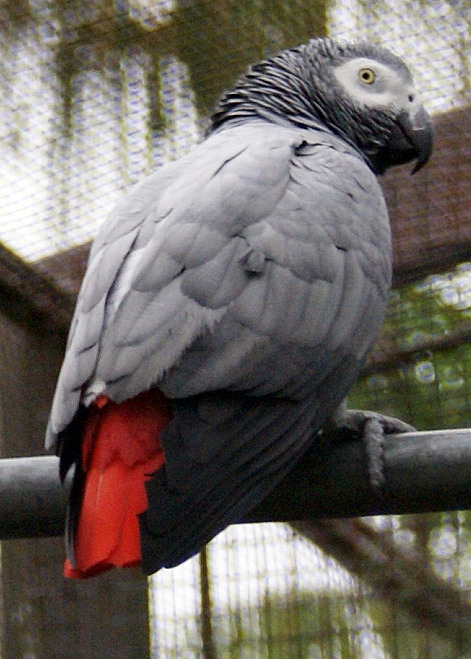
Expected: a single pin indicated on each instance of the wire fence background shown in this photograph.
(97, 94)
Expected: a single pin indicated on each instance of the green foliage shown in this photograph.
(401, 639)
(219, 39)
(326, 625)
(17, 16)
(428, 331)
(426, 336)
(298, 625)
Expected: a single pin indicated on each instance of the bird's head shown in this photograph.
(362, 93)
(367, 95)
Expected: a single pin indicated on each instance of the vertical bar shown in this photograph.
(207, 636)
(43, 614)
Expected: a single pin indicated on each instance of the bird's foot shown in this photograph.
(371, 427)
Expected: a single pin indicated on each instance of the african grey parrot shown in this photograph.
(229, 303)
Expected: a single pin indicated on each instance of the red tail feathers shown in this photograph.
(120, 448)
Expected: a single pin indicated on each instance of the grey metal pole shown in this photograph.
(425, 472)
(32, 499)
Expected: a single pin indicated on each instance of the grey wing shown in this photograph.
(317, 272)
(111, 248)
(133, 318)
(308, 281)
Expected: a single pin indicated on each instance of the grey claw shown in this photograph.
(372, 427)
(373, 436)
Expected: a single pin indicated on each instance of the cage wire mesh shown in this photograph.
(97, 94)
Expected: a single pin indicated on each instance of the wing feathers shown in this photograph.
(349, 304)
(221, 279)
(216, 493)
(248, 228)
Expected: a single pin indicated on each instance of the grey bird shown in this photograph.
(246, 283)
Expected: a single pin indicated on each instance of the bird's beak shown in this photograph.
(413, 138)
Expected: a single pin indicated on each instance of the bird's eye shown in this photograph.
(367, 76)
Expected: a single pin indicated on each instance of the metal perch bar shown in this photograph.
(424, 471)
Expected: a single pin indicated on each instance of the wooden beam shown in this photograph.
(32, 298)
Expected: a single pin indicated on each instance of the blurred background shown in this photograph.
(94, 95)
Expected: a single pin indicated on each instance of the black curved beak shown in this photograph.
(414, 139)
(410, 139)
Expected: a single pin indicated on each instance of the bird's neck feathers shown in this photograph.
(297, 88)
(273, 89)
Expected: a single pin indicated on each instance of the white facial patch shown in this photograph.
(374, 84)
